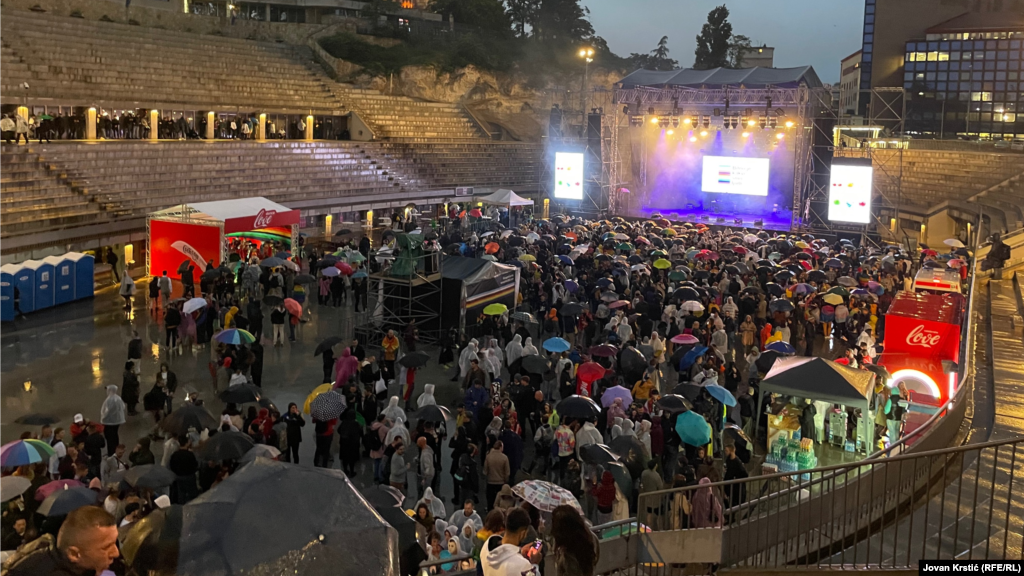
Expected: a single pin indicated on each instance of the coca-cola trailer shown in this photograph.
(921, 331)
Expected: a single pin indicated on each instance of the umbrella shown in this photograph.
(846, 281)
(210, 274)
(686, 293)
(781, 347)
(226, 446)
(781, 305)
(523, 317)
(802, 288)
(316, 392)
(662, 264)
(188, 416)
(260, 451)
(632, 360)
(674, 403)
(545, 496)
(495, 309)
(44, 491)
(360, 274)
(528, 258)
(355, 257)
(953, 242)
(774, 289)
(684, 339)
(235, 336)
(632, 453)
(691, 356)
(193, 305)
(604, 351)
(691, 306)
(22, 452)
(327, 406)
(590, 371)
(414, 359)
(150, 476)
(598, 454)
(331, 272)
(272, 262)
(839, 291)
(37, 420)
(571, 309)
(344, 267)
(619, 304)
(151, 545)
(64, 502)
(534, 364)
(240, 394)
(721, 394)
(556, 345)
(677, 275)
(327, 344)
(693, 429)
(564, 259)
(433, 413)
(580, 407)
(272, 300)
(293, 307)
(305, 279)
(616, 392)
(13, 486)
(226, 530)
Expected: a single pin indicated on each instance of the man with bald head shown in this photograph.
(86, 546)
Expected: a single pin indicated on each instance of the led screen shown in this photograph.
(569, 175)
(849, 194)
(733, 175)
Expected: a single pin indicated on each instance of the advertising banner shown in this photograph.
(171, 243)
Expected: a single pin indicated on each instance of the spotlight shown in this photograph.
(693, 138)
(746, 134)
(703, 133)
(772, 122)
(675, 121)
(705, 122)
(789, 123)
(763, 122)
(780, 136)
(654, 120)
(689, 120)
(751, 123)
(671, 132)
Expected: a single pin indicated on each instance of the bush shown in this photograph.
(444, 55)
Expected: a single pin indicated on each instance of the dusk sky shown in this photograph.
(815, 32)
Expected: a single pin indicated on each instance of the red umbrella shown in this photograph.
(44, 491)
(345, 268)
(590, 371)
(293, 307)
(642, 240)
(475, 213)
(740, 250)
(662, 222)
(805, 264)
(929, 252)
(604, 351)
(685, 339)
(619, 304)
(491, 248)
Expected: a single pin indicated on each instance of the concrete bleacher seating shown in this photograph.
(929, 177)
(449, 164)
(84, 62)
(399, 117)
(36, 197)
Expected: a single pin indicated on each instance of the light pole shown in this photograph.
(588, 56)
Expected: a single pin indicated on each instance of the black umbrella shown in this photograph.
(343, 232)
(226, 446)
(151, 544)
(686, 294)
(816, 276)
(37, 420)
(571, 309)
(240, 394)
(272, 262)
(234, 257)
(701, 274)
(535, 364)
(267, 403)
(414, 359)
(752, 290)
(237, 527)
(149, 476)
(326, 344)
(732, 269)
(272, 300)
(433, 413)
(188, 416)
(765, 361)
(580, 407)
(305, 279)
(632, 453)
(210, 274)
(784, 275)
(327, 262)
(598, 454)
(689, 392)
(774, 289)
(327, 406)
(516, 241)
(183, 267)
(66, 501)
(674, 404)
(632, 360)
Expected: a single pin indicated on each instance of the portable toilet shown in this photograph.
(85, 281)
(44, 283)
(7, 272)
(63, 278)
(25, 284)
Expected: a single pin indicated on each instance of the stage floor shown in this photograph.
(781, 221)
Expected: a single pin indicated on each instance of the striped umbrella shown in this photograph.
(235, 336)
(545, 496)
(327, 406)
(22, 452)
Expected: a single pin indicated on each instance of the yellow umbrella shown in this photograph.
(528, 258)
(662, 264)
(833, 299)
(495, 309)
(316, 392)
(801, 244)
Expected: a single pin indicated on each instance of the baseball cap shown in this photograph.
(79, 419)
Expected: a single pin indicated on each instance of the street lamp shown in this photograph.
(588, 56)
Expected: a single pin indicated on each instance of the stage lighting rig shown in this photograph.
(636, 121)
(705, 122)
(690, 120)
(773, 122)
(763, 122)
(674, 120)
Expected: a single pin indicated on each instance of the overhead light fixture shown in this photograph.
(746, 134)
(654, 120)
(670, 132)
(789, 123)
(693, 138)
(703, 133)
(780, 136)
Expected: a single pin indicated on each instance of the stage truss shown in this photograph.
(395, 300)
(799, 104)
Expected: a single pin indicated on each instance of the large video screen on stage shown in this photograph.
(849, 194)
(734, 175)
(569, 175)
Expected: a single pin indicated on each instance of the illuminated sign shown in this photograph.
(731, 175)
(849, 194)
(569, 175)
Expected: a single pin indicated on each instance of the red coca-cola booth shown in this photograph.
(921, 331)
(196, 231)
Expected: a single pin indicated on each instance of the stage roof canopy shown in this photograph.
(238, 215)
(756, 77)
(506, 197)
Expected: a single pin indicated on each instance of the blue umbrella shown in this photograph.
(359, 274)
(721, 394)
(571, 286)
(556, 345)
(609, 396)
(272, 262)
(693, 429)
(781, 347)
(691, 356)
(565, 260)
(833, 263)
(282, 255)
(781, 305)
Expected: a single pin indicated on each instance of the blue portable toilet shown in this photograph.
(44, 283)
(85, 281)
(25, 284)
(7, 272)
(63, 278)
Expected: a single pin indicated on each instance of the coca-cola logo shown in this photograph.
(263, 218)
(921, 337)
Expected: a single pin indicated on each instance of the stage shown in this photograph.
(780, 222)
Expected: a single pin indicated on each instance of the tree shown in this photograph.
(563, 21)
(485, 14)
(657, 59)
(523, 13)
(738, 45)
(713, 42)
